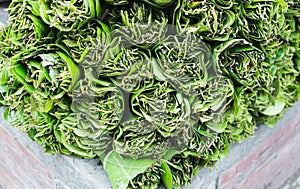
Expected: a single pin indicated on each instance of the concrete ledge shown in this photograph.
(23, 164)
(3, 13)
(264, 161)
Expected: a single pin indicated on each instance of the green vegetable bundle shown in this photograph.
(155, 88)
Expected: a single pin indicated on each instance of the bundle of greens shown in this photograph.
(155, 88)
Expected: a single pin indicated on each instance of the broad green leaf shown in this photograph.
(48, 105)
(5, 114)
(283, 4)
(61, 138)
(216, 126)
(157, 70)
(122, 171)
(3, 77)
(34, 7)
(275, 109)
(72, 67)
(21, 70)
(167, 176)
(170, 153)
(117, 2)
(160, 4)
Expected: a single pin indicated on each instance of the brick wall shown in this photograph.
(24, 165)
(269, 163)
(19, 167)
(264, 161)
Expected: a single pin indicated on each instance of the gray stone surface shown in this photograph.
(293, 182)
(208, 178)
(73, 173)
(68, 172)
(3, 14)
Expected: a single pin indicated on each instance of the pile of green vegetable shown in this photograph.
(155, 88)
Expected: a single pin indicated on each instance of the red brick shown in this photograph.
(228, 176)
(276, 157)
(20, 168)
(247, 162)
(5, 179)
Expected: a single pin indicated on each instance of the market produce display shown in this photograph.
(154, 88)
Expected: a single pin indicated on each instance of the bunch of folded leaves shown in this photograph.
(154, 88)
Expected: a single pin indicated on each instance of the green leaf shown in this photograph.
(21, 70)
(216, 126)
(167, 176)
(61, 138)
(3, 77)
(34, 6)
(118, 2)
(275, 109)
(72, 67)
(283, 4)
(159, 4)
(6, 114)
(121, 171)
(157, 70)
(170, 153)
(48, 105)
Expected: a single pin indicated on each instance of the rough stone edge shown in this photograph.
(70, 172)
(3, 13)
(208, 179)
